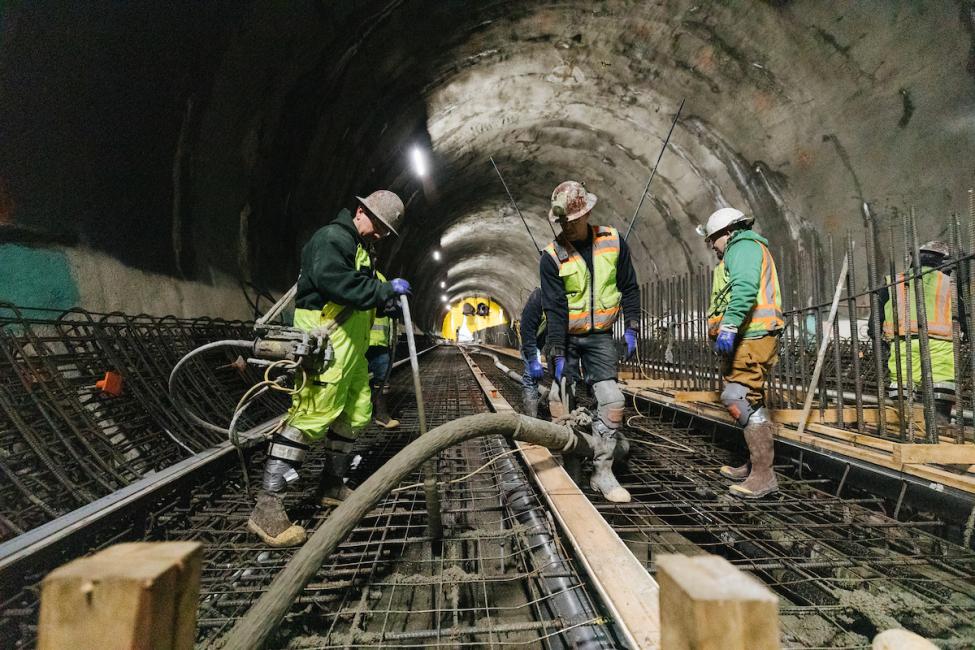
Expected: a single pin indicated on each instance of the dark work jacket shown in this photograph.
(328, 272)
(556, 304)
(531, 317)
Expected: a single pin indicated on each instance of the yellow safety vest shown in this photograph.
(766, 314)
(594, 303)
(379, 333)
(937, 303)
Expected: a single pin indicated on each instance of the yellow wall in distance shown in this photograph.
(455, 322)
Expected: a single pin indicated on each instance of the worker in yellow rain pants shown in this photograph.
(336, 278)
(938, 306)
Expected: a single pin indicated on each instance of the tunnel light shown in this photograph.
(443, 298)
(436, 256)
(419, 162)
(443, 284)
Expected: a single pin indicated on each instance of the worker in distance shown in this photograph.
(337, 284)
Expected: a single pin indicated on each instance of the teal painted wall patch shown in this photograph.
(36, 277)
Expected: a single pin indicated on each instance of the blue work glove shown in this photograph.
(535, 368)
(725, 343)
(559, 367)
(630, 336)
(400, 286)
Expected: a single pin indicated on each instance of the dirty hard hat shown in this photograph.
(936, 247)
(721, 219)
(385, 206)
(570, 200)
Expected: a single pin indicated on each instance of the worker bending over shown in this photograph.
(587, 278)
(936, 284)
(532, 331)
(336, 282)
(379, 358)
(745, 321)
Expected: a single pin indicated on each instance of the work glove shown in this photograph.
(630, 336)
(559, 367)
(400, 286)
(535, 368)
(725, 343)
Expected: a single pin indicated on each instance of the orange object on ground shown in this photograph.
(111, 384)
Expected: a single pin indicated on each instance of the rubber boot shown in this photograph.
(621, 454)
(270, 522)
(529, 400)
(380, 415)
(761, 480)
(603, 480)
(331, 488)
(942, 411)
(572, 464)
(739, 473)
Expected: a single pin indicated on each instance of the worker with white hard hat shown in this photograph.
(745, 320)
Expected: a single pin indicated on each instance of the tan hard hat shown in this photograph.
(570, 200)
(936, 247)
(385, 206)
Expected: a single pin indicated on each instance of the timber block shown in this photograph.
(136, 595)
(706, 603)
(697, 396)
(941, 453)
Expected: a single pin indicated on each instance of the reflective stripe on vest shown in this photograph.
(937, 304)
(765, 315)
(594, 302)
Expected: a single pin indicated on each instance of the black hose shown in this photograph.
(260, 621)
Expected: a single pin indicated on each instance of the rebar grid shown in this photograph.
(65, 443)
(843, 568)
(383, 586)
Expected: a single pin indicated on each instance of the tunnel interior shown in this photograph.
(162, 159)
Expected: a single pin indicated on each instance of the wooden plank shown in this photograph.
(628, 591)
(944, 454)
(649, 383)
(696, 396)
(136, 595)
(706, 603)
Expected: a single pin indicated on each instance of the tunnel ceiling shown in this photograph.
(795, 111)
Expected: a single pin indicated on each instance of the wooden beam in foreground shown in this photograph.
(627, 590)
(706, 603)
(138, 595)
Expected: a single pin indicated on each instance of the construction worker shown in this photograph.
(378, 356)
(745, 320)
(533, 329)
(587, 279)
(936, 284)
(337, 284)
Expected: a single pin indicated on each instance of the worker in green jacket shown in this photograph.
(379, 357)
(936, 282)
(336, 282)
(745, 320)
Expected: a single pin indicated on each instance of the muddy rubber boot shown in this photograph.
(621, 454)
(572, 464)
(380, 415)
(603, 480)
(270, 522)
(332, 489)
(529, 400)
(942, 411)
(739, 473)
(761, 480)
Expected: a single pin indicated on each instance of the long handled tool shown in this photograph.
(654, 171)
(827, 335)
(434, 520)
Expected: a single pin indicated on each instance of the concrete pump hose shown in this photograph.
(260, 621)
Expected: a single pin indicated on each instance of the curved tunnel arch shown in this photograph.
(796, 111)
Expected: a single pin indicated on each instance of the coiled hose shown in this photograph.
(260, 621)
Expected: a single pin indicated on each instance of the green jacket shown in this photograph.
(328, 270)
(743, 259)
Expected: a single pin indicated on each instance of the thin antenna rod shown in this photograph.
(512, 199)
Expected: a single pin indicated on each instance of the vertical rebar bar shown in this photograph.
(904, 417)
(875, 317)
(851, 307)
(910, 317)
(927, 383)
(837, 352)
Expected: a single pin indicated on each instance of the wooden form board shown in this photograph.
(136, 595)
(838, 441)
(626, 588)
(706, 603)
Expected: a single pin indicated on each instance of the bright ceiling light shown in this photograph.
(443, 284)
(443, 298)
(436, 256)
(419, 162)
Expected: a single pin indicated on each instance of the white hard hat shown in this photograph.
(721, 219)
